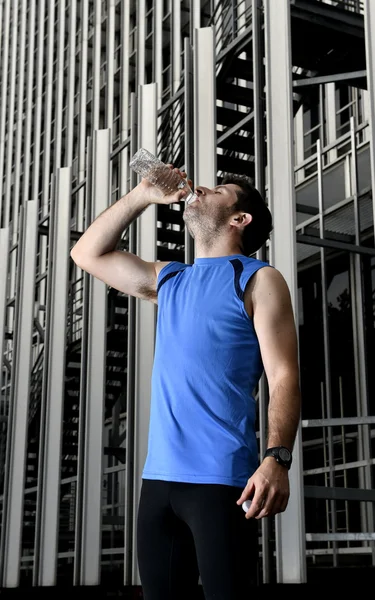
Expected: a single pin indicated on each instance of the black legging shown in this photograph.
(187, 529)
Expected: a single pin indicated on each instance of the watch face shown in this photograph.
(284, 454)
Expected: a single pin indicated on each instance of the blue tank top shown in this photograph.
(207, 363)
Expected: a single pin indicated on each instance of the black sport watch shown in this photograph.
(281, 454)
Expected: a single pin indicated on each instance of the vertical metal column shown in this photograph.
(68, 149)
(176, 45)
(359, 346)
(369, 19)
(4, 414)
(85, 302)
(48, 498)
(3, 99)
(59, 93)
(195, 16)
(326, 385)
(141, 42)
(110, 50)
(189, 134)
(259, 142)
(29, 104)
(158, 50)
(37, 120)
(10, 112)
(82, 113)
(17, 433)
(131, 398)
(20, 121)
(95, 123)
(48, 110)
(145, 311)
(290, 533)
(96, 379)
(205, 167)
(4, 261)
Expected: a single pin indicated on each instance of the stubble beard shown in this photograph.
(205, 226)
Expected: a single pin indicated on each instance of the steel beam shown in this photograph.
(290, 534)
(95, 381)
(17, 432)
(48, 508)
(145, 311)
(205, 166)
(369, 20)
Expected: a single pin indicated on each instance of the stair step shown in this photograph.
(168, 215)
(242, 69)
(170, 236)
(228, 117)
(229, 164)
(164, 254)
(238, 143)
(235, 94)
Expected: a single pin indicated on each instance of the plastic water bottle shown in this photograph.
(159, 174)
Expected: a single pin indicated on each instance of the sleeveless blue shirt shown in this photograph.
(207, 363)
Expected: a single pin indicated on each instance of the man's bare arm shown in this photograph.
(95, 251)
(275, 327)
(267, 300)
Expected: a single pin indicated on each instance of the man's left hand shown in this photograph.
(268, 490)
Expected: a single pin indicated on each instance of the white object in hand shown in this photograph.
(246, 505)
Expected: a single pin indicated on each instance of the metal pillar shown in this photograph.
(48, 498)
(95, 383)
(145, 311)
(189, 135)
(205, 167)
(369, 18)
(290, 534)
(17, 432)
(259, 142)
(131, 398)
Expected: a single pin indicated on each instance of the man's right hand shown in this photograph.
(150, 193)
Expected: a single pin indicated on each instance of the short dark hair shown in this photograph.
(249, 200)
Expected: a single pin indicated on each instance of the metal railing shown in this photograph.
(351, 5)
(230, 20)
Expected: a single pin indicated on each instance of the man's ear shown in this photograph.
(241, 220)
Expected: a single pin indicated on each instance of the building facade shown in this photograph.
(281, 91)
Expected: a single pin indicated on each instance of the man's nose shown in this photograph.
(201, 190)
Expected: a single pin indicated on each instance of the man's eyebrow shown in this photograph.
(220, 186)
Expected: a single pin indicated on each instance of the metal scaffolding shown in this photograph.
(213, 86)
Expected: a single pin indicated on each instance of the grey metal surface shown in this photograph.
(327, 422)
(131, 399)
(96, 379)
(359, 347)
(259, 148)
(110, 71)
(189, 135)
(72, 24)
(145, 311)
(10, 110)
(20, 116)
(96, 67)
(49, 491)
(205, 165)
(290, 533)
(85, 332)
(60, 77)
(5, 14)
(48, 109)
(326, 399)
(17, 442)
(29, 104)
(37, 120)
(369, 21)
